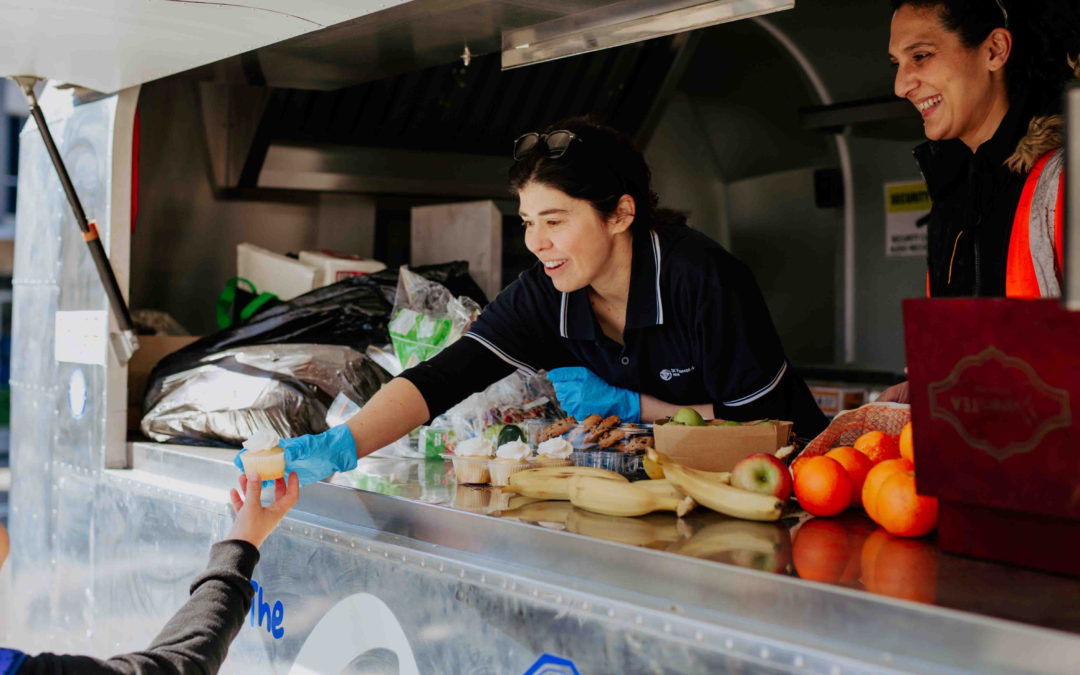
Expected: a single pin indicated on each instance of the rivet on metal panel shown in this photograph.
(352, 544)
(835, 670)
(423, 563)
(386, 554)
(335, 540)
(667, 627)
(368, 549)
(461, 574)
(558, 599)
(536, 593)
(764, 653)
(699, 636)
(483, 578)
(729, 644)
(305, 530)
(440, 567)
(585, 606)
(639, 620)
(504, 583)
(513, 585)
(611, 613)
(799, 662)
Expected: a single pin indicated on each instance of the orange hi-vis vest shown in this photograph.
(1034, 265)
(1036, 246)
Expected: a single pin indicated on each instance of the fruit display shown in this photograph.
(714, 490)
(876, 473)
(553, 482)
(760, 546)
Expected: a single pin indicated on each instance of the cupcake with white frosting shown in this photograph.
(509, 459)
(471, 460)
(554, 452)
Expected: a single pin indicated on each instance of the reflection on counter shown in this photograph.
(847, 550)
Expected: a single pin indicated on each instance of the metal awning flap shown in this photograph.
(108, 45)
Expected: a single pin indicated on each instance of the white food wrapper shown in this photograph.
(261, 440)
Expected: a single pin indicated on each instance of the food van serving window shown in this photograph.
(630, 311)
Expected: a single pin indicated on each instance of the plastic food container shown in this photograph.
(579, 435)
(625, 463)
(470, 470)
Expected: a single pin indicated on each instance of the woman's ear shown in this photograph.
(999, 47)
(623, 216)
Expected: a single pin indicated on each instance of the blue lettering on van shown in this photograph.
(271, 617)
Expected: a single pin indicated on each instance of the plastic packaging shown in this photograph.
(427, 318)
(285, 389)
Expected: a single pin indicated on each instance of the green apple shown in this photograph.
(689, 417)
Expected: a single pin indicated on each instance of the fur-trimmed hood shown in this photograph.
(1045, 134)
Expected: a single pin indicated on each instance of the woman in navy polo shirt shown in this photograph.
(630, 311)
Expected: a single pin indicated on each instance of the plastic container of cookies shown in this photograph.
(618, 438)
(625, 463)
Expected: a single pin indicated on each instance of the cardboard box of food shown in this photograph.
(152, 348)
(274, 273)
(835, 399)
(717, 446)
(995, 395)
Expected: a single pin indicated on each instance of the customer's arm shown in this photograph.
(197, 638)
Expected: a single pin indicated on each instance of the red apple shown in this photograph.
(762, 473)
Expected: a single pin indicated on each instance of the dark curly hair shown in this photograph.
(1046, 35)
(600, 168)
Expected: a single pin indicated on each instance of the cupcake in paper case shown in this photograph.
(471, 460)
(554, 452)
(473, 497)
(509, 459)
(263, 456)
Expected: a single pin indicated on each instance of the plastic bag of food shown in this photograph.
(846, 427)
(518, 400)
(286, 389)
(426, 318)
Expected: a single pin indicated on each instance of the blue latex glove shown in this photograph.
(581, 393)
(314, 457)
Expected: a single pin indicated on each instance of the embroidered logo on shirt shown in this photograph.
(670, 373)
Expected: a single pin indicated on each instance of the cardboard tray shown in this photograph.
(716, 447)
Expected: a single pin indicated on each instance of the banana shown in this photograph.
(552, 482)
(658, 530)
(541, 512)
(613, 498)
(663, 488)
(764, 546)
(707, 489)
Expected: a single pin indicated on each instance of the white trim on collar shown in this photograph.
(656, 259)
(761, 392)
(562, 315)
(501, 354)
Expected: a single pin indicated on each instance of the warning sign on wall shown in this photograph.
(905, 204)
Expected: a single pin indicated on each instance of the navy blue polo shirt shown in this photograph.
(697, 331)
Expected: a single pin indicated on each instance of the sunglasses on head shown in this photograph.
(555, 143)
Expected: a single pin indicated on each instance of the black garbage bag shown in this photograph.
(352, 313)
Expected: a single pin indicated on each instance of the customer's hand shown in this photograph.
(318, 456)
(898, 393)
(581, 393)
(254, 522)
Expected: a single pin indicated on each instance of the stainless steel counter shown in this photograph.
(868, 599)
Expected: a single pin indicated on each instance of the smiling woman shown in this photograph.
(987, 78)
(632, 313)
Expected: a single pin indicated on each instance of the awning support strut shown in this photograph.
(124, 343)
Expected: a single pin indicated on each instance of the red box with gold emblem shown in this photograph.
(995, 391)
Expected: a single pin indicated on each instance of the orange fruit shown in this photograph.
(876, 477)
(907, 443)
(799, 463)
(902, 511)
(878, 446)
(821, 551)
(857, 465)
(901, 568)
(823, 487)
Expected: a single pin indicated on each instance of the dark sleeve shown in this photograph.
(198, 636)
(460, 370)
(746, 373)
(517, 331)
